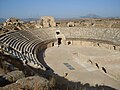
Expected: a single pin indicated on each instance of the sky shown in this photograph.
(58, 8)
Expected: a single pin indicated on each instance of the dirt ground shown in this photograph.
(76, 64)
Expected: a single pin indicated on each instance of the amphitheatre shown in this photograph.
(84, 51)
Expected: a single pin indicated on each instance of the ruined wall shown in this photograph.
(95, 43)
(103, 37)
(90, 22)
(48, 21)
(103, 34)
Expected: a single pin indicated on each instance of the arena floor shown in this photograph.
(73, 63)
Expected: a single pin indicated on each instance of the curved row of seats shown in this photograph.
(44, 34)
(105, 34)
(22, 44)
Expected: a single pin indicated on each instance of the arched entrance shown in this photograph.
(69, 43)
(59, 41)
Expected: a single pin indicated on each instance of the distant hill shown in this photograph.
(73, 18)
(29, 19)
(2, 19)
(91, 16)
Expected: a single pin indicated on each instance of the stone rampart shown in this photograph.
(103, 34)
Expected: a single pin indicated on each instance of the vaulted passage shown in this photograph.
(69, 43)
(59, 41)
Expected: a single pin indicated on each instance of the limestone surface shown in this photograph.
(48, 21)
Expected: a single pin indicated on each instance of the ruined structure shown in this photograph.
(12, 21)
(29, 46)
(14, 24)
(47, 21)
(89, 22)
(70, 24)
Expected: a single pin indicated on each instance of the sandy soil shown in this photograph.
(74, 60)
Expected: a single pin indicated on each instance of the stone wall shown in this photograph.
(95, 43)
(104, 34)
(90, 22)
(48, 21)
(105, 37)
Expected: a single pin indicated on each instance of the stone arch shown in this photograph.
(114, 47)
(60, 37)
(69, 42)
(57, 32)
(48, 21)
(59, 41)
(52, 44)
(70, 24)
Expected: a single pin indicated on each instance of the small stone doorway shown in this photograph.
(69, 43)
(59, 41)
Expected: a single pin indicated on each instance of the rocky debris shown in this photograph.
(33, 25)
(11, 77)
(89, 22)
(14, 76)
(3, 81)
(70, 24)
(3, 29)
(12, 21)
(13, 86)
(14, 24)
(47, 21)
(115, 25)
(5, 66)
(30, 83)
(52, 81)
(34, 83)
(22, 83)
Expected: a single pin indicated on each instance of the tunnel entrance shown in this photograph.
(114, 47)
(52, 44)
(69, 43)
(59, 41)
(57, 33)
